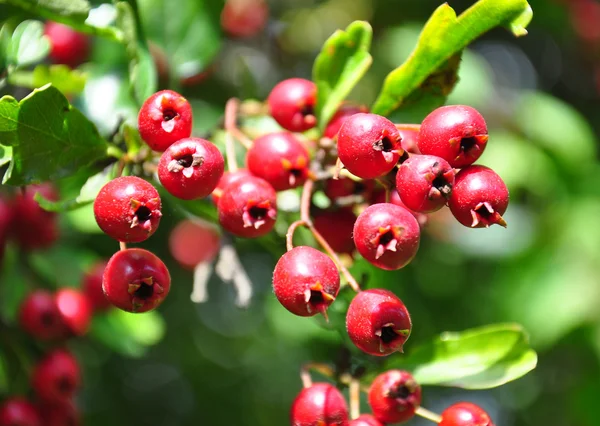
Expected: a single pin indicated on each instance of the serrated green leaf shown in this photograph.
(62, 77)
(431, 68)
(28, 44)
(343, 61)
(478, 358)
(50, 138)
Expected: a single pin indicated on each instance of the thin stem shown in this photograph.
(231, 109)
(306, 379)
(289, 237)
(322, 369)
(113, 151)
(230, 112)
(305, 201)
(122, 246)
(429, 415)
(413, 127)
(354, 398)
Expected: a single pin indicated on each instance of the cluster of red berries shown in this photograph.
(394, 397)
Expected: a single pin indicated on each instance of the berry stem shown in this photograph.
(402, 126)
(230, 112)
(429, 415)
(289, 237)
(122, 246)
(354, 398)
(323, 369)
(305, 201)
(231, 109)
(113, 151)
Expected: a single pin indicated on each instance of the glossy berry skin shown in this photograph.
(61, 415)
(319, 405)
(336, 226)
(457, 133)
(75, 310)
(369, 145)
(92, 287)
(244, 18)
(365, 420)
(39, 316)
(248, 207)
(191, 168)
(33, 227)
(424, 183)
(306, 281)
(334, 125)
(394, 396)
(280, 159)
(128, 209)
(165, 117)
(409, 140)
(18, 411)
(291, 104)
(56, 377)
(226, 179)
(379, 197)
(387, 236)
(465, 414)
(479, 197)
(67, 46)
(377, 322)
(136, 280)
(193, 242)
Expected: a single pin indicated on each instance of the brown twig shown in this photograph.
(413, 127)
(289, 237)
(354, 398)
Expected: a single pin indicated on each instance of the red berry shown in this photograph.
(280, 159)
(191, 168)
(387, 236)
(248, 207)
(424, 182)
(92, 286)
(409, 140)
(369, 145)
(457, 133)
(18, 411)
(61, 415)
(136, 280)
(336, 226)
(479, 197)
(394, 396)
(378, 322)
(292, 103)
(319, 405)
(334, 125)
(365, 420)
(32, 226)
(192, 242)
(165, 117)
(226, 179)
(244, 18)
(56, 377)
(67, 46)
(306, 281)
(40, 317)
(344, 188)
(6, 217)
(128, 209)
(379, 197)
(465, 414)
(75, 310)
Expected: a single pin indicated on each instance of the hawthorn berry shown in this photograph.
(409, 140)
(244, 18)
(67, 46)
(39, 316)
(336, 227)
(334, 125)
(365, 420)
(479, 197)
(17, 411)
(344, 188)
(321, 404)
(226, 179)
(306, 281)
(280, 159)
(379, 197)
(193, 242)
(248, 207)
(6, 214)
(369, 145)
(61, 415)
(136, 280)
(33, 227)
(465, 414)
(191, 168)
(75, 310)
(424, 183)
(92, 286)
(292, 103)
(56, 377)
(377, 322)
(128, 209)
(165, 117)
(394, 396)
(387, 236)
(456, 133)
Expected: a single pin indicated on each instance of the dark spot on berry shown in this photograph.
(185, 161)
(143, 213)
(169, 114)
(467, 144)
(257, 212)
(316, 298)
(307, 110)
(403, 157)
(388, 335)
(297, 173)
(144, 292)
(65, 386)
(441, 183)
(47, 319)
(386, 238)
(385, 144)
(400, 392)
(483, 212)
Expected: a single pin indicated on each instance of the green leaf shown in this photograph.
(61, 76)
(478, 358)
(432, 66)
(28, 44)
(50, 138)
(5, 154)
(343, 61)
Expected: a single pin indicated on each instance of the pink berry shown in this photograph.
(379, 197)
(17, 411)
(248, 207)
(226, 179)
(387, 236)
(369, 145)
(244, 18)
(319, 405)
(192, 242)
(75, 310)
(92, 286)
(56, 377)
(377, 322)
(191, 168)
(394, 396)
(306, 281)
(67, 46)
(334, 125)
(292, 103)
(33, 227)
(136, 280)
(128, 209)
(280, 159)
(336, 226)
(40, 317)
(165, 117)
(425, 182)
(479, 197)
(456, 133)
(365, 420)
(465, 414)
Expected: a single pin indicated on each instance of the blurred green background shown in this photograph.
(216, 364)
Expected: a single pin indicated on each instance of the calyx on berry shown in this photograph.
(292, 103)
(394, 396)
(56, 377)
(40, 317)
(465, 414)
(319, 405)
